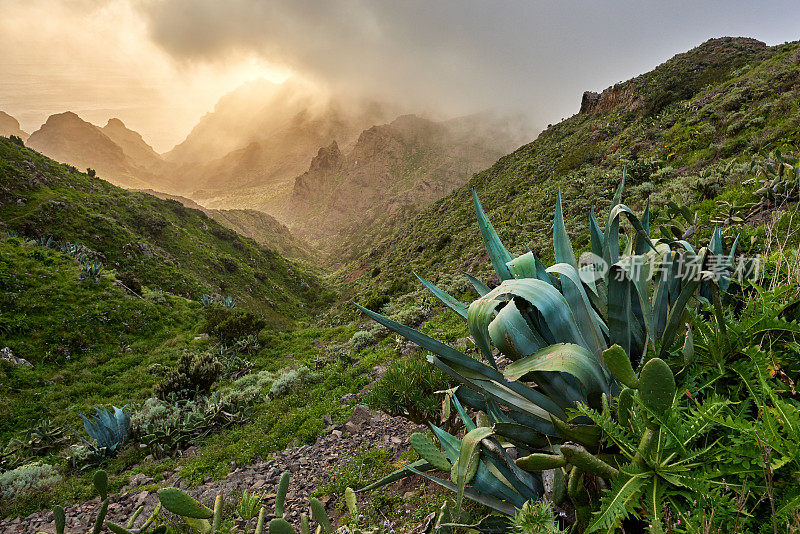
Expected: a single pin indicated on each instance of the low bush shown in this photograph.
(409, 388)
(361, 340)
(27, 479)
(286, 381)
(193, 375)
(230, 324)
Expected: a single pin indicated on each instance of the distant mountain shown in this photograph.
(261, 134)
(391, 169)
(10, 126)
(67, 138)
(132, 144)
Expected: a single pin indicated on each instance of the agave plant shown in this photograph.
(207, 300)
(228, 302)
(93, 271)
(552, 329)
(108, 430)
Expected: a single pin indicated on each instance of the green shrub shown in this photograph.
(286, 381)
(27, 479)
(409, 388)
(361, 340)
(194, 374)
(535, 517)
(229, 324)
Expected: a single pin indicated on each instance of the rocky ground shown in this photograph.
(308, 465)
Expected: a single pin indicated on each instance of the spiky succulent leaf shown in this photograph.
(498, 254)
(428, 451)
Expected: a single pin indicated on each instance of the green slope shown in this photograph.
(686, 131)
(159, 242)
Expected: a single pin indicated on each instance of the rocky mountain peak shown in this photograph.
(327, 158)
(10, 126)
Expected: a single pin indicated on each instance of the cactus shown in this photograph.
(657, 386)
(352, 504)
(60, 518)
(261, 515)
(181, 503)
(100, 481)
(586, 461)
(280, 496)
(101, 517)
(321, 517)
(620, 366)
(540, 461)
(428, 451)
(625, 407)
(305, 528)
(280, 526)
(134, 517)
(217, 512)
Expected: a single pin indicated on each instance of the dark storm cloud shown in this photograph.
(461, 56)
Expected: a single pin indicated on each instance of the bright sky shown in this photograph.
(159, 65)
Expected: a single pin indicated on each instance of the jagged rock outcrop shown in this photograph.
(393, 167)
(132, 144)
(676, 79)
(10, 126)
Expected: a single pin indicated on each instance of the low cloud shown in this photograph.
(458, 56)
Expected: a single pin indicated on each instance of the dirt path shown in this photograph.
(308, 466)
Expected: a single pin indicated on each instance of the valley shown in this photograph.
(210, 293)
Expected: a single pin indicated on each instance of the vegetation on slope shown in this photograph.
(161, 243)
(686, 132)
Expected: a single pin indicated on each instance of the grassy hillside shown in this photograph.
(90, 342)
(686, 132)
(160, 243)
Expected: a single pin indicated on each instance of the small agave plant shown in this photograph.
(554, 340)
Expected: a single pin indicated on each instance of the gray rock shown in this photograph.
(7, 355)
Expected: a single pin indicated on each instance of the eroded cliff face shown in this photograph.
(407, 163)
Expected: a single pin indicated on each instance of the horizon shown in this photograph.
(160, 66)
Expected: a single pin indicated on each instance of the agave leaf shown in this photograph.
(479, 286)
(420, 465)
(528, 266)
(620, 188)
(619, 309)
(522, 434)
(484, 481)
(504, 394)
(660, 308)
(676, 314)
(510, 333)
(468, 460)
(468, 422)
(562, 247)
(550, 303)
(596, 236)
(453, 303)
(477, 496)
(565, 358)
(578, 300)
(643, 241)
(498, 254)
(479, 316)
